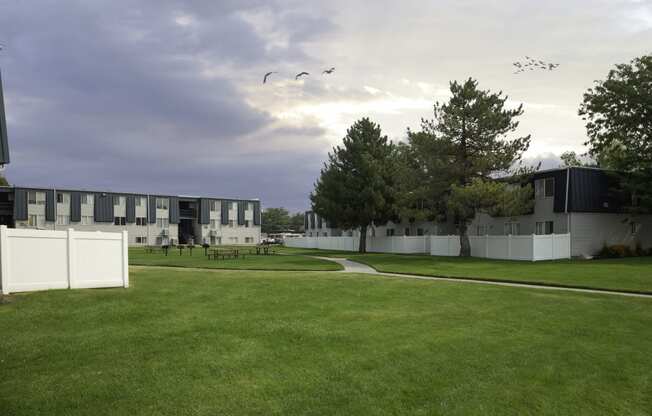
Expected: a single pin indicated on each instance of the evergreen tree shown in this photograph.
(356, 187)
(474, 125)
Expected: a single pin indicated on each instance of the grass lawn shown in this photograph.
(189, 342)
(138, 256)
(629, 274)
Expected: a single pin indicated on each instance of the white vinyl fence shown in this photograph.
(506, 247)
(405, 245)
(43, 259)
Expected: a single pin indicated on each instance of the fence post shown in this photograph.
(125, 259)
(509, 246)
(534, 247)
(72, 259)
(4, 261)
(486, 246)
(552, 255)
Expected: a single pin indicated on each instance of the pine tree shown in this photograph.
(356, 187)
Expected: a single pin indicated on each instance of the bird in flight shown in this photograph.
(267, 75)
(300, 74)
(329, 71)
(530, 64)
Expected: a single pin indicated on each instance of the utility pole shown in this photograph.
(4, 144)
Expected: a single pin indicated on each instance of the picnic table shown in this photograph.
(182, 247)
(264, 250)
(153, 249)
(216, 253)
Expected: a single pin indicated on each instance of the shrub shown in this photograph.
(616, 251)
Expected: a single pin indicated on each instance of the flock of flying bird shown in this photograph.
(300, 74)
(529, 64)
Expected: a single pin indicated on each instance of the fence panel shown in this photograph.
(521, 247)
(514, 247)
(42, 259)
(444, 245)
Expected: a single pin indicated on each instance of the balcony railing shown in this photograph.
(188, 213)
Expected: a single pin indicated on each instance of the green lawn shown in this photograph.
(628, 274)
(188, 342)
(138, 256)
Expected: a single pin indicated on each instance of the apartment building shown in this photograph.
(149, 219)
(588, 203)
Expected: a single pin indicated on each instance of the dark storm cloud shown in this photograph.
(112, 95)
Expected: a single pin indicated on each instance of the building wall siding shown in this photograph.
(174, 210)
(20, 205)
(75, 206)
(130, 209)
(591, 231)
(49, 205)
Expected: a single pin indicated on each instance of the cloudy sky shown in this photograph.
(166, 96)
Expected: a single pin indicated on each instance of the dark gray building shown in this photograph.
(588, 203)
(149, 219)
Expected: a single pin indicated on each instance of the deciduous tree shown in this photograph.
(618, 115)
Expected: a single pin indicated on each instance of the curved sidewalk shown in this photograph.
(355, 267)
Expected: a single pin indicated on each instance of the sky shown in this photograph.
(167, 97)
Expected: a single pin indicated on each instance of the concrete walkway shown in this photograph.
(355, 267)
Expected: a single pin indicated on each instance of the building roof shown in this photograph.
(40, 188)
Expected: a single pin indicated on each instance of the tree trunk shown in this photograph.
(362, 248)
(465, 245)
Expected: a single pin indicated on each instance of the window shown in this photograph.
(142, 221)
(159, 241)
(544, 227)
(119, 220)
(161, 203)
(407, 231)
(213, 224)
(63, 219)
(325, 234)
(544, 188)
(63, 198)
(634, 227)
(162, 222)
(512, 228)
(231, 223)
(141, 240)
(249, 240)
(36, 198)
(389, 232)
(87, 199)
(480, 230)
(213, 205)
(233, 240)
(86, 220)
(246, 224)
(419, 231)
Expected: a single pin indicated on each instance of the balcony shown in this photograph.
(188, 213)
